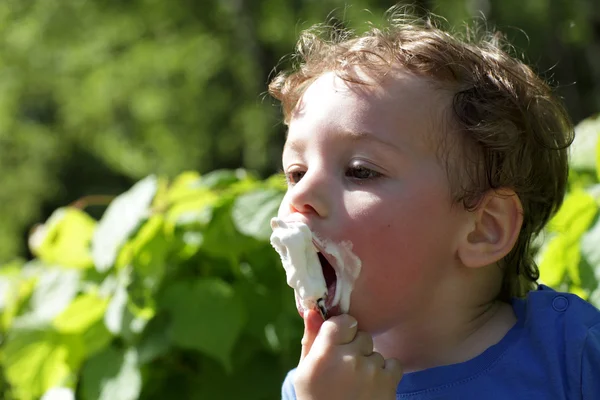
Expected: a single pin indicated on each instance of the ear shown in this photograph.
(494, 229)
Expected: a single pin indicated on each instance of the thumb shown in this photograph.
(312, 324)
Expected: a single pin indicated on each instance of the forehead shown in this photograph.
(399, 107)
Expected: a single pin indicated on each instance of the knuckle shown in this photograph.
(351, 362)
(394, 369)
(365, 338)
(329, 329)
(344, 320)
(372, 369)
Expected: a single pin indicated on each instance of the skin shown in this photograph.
(361, 166)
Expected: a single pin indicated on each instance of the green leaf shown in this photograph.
(563, 253)
(555, 257)
(112, 375)
(150, 249)
(583, 155)
(222, 178)
(119, 319)
(590, 247)
(155, 340)
(35, 361)
(259, 373)
(206, 316)
(598, 159)
(575, 215)
(64, 239)
(252, 212)
(120, 220)
(82, 313)
(221, 238)
(59, 393)
(184, 186)
(595, 298)
(54, 291)
(16, 288)
(258, 302)
(96, 338)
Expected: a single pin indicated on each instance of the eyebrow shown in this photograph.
(360, 136)
(355, 136)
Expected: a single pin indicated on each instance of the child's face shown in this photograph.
(362, 167)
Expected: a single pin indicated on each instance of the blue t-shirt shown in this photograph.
(552, 352)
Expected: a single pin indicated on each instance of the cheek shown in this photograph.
(404, 240)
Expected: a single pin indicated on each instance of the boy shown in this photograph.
(438, 160)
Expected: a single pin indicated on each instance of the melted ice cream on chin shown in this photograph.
(298, 249)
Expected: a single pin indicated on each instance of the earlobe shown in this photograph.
(494, 229)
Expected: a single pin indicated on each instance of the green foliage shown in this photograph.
(569, 258)
(174, 293)
(96, 95)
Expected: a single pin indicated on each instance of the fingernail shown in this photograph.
(353, 324)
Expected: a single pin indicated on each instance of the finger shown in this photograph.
(394, 369)
(377, 360)
(312, 324)
(363, 343)
(338, 330)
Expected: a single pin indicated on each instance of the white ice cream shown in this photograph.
(347, 271)
(295, 244)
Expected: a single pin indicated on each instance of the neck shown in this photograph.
(447, 338)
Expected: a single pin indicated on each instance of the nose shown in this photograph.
(310, 195)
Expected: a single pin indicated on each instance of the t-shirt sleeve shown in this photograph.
(287, 389)
(590, 365)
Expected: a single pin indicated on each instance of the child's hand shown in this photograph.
(338, 362)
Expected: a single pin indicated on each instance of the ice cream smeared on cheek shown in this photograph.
(347, 271)
(322, 273)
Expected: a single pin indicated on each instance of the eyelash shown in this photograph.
(292, 180)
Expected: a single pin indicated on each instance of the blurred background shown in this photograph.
(95, 95)
(173, 290)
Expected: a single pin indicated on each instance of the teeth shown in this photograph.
(322, 308)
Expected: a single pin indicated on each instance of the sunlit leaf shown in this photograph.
(36, 361)
(185, 186)
(150, 248)
(598, 158)
(59, 393)
(120, 220)
(115, 313)
(575, 215)
(119, 319)
(583, 150)
(54, 291)
(190, 203)
(222, 178)
(64, 239)
(86, 310)
(206, 316)
(112, 375)
(590, 248)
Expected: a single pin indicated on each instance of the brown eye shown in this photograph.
(294, 177)
(360, 172)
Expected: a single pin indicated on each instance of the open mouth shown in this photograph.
(330, 282)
